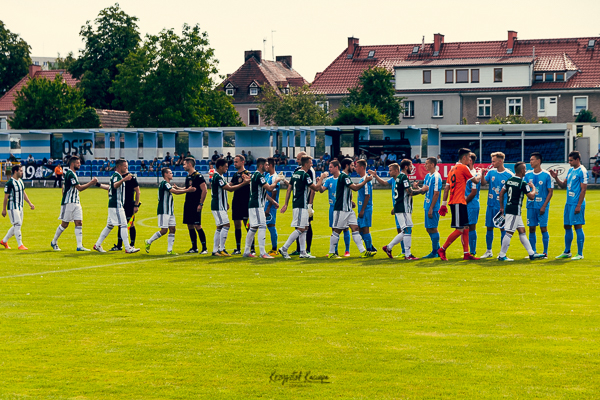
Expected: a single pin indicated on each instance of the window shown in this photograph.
(438, 108)
(538, 77)
(415, 49)
(579, 103)
(253, 91)
(409, 109)
(514, 106)
(549, 77)
(462, 76)
(253, 118)
(474, 76)
(449, 76)
(285, 90)
(427, 76)
(484, 107)
(324, 105)
(229, 92)
(560, 77)
(371, 54)
(497, 74)
(541, 104)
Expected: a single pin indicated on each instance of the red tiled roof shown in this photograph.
(113, 118)
(463, 61)
(343, 72)
(555, 62)
(275, 73)
(6, 102)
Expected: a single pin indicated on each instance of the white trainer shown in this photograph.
(99, 249)
(487, 254)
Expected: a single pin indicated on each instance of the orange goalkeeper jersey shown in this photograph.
(457, 179)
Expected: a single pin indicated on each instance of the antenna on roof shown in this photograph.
(272, 46)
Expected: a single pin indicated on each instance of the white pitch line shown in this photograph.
(139, 260)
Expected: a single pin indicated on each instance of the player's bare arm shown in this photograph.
(28, 201)
(559, 182)
(81, 187)
(581, 197)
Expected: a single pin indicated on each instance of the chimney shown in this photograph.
(352, 45)
(257, 54)
(33, 69)
(438, 41)
(512, 37)
(287, 60)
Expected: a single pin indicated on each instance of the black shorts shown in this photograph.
(191, 216)
(460, 215)
(239, 212)
(128, 213)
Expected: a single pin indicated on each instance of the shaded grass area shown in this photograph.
(155, 327)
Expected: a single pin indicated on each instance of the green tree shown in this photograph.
(358, 114)
(585, 116)
(52, 104)
(375, 88)
(14, 58)
(300, 107)
(65, 63)
(167, 82)
(107, 44)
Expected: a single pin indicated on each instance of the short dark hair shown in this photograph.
(575, 155)
(432, 160)
(519, 166)
(241, 157)
(120, 161)
(260, 160)
(73, 159)
(362, 163)
(271, 161)
(335, 163)
(220, 163)
(190, 160)
(473, 157)
(164, 171)
(537, 155)
(345, 162)
(304, 160)
(404, 163)
(15, 168)
(462, 152)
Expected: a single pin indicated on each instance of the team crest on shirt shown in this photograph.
(541, 182)
(503, 182)
(493, 178)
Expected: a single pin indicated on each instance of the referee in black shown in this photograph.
(194, 202)
(131, 206)
(239, 204)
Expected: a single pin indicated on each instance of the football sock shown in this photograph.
(333, 242)
(125, 236)
(503, 232)
(132, 235)
(59, 232)
(568, 240)
(224, 233)
(346, 239)
(546, 241)
(505, 245)
(193, 238)
(435, 241)
(580, 240)
(262, 238)
(273, 232)
(302, 240)
(249, 240)
(473, 241)
(358, 241)
(526, 243)
(298, 245)
(18, 235)
(238, 238)
(465, 240)
(78, 236)
(309, 238)
(533, 241)
(407, 240)
(453, 236)
(202, 237)
(293, 236)
(397, 239)
(157, 235)
(489, 239)
(216, 240)
(9, 234)
(103, 235)
(402, 246)
(170, 241)
(368, 241)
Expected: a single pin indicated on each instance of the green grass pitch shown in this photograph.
(151, 326)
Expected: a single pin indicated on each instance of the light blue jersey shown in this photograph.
(434, 181)
(575, 177)
(275, 193)
(362, 193)
(392, 183)
(474, 203)
(331, 185)
(496, 181)
(543, 182)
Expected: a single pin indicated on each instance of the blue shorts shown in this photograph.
(433, 222)
(473, 214)
(272, 217)
(574, 219)
(489, 216)
(535, 219)
(365, 221)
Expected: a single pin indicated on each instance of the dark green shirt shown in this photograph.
(403, 202)
(343, 193)
(300, 184)
(516, 190)
(257, 193)
(219, 195)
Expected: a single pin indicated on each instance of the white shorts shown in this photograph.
(221, 217)
(16, 216)
(300, 218)
(513, 222)
(116, 217)
(404, 220)
(343, 219)
(166, 220)
(71, 212)
(257, 217)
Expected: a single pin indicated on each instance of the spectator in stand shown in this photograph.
(439, 159)
(340, 155)
(320, 164)
(381, 160)
(215, 157)
(326, 158)
(244, 154)
(106, 164)
(58, 173)
(176, 159)
(188, 155)
(229, 159)
(362, 155)
(277, 157)
(284, 159)
(596, 171)
(417, 159)
(155, 164)
(167, 161)
(143, 166)
(12, 158)
(391, 159)
(249, 159)
(211, 171)
(49, 162)
(30, 160)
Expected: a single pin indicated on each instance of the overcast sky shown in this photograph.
(313, 32)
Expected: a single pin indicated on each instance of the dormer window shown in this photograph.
(285, 90)
(229, 89)
(253, 89)
(591, 44)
